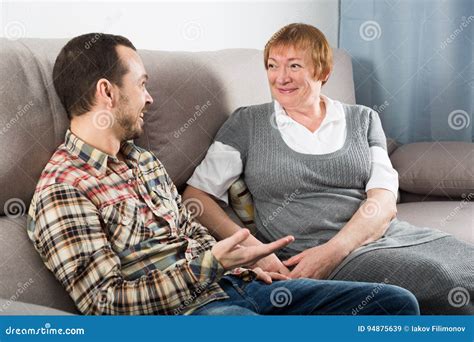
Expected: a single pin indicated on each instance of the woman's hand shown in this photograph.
(271, 264)
(317, 262)
(368, 224)
(268, 277)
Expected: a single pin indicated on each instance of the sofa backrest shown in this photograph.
(194, 93)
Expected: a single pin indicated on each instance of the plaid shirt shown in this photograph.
(117, 236)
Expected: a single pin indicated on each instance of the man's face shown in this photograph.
(134, 97)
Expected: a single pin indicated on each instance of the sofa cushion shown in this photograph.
(32, 119)
(436, 168)
(454, 217)
(241, 202)
(405, 197)
(392, 145)
(24, 277)
(16, 308)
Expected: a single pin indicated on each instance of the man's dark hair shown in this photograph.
(82, 62)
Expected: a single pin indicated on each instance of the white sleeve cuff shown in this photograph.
(221, 167)
(382, 175)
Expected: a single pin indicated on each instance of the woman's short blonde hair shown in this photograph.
(304, 37)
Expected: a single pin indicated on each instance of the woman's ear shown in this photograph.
(326, 77)
(322, 77)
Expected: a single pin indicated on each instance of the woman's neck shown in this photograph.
(310, 117)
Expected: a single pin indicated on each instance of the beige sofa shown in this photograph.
(194, 92)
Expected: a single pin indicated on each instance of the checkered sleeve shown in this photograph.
(68, 234)
(191, 227)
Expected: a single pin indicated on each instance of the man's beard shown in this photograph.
(128, 124)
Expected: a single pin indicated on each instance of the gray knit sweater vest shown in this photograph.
(309, 196)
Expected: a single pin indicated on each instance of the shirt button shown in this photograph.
(129, 181)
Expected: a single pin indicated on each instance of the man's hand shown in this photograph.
(317, 262)
(231, 254)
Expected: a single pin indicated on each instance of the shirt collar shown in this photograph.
(95, 157)
(333, 112)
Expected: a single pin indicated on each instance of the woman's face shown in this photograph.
(290, 74)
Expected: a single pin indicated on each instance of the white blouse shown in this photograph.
(222, 165)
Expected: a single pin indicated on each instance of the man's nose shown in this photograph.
(148, 98)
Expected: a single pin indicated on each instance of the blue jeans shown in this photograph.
(310, 297)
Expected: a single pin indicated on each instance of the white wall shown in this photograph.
(160, 25)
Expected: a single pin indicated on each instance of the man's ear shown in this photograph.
(105, 92)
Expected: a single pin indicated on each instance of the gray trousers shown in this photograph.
(440, 273)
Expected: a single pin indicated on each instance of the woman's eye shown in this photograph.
(271, 66)
(295, 66)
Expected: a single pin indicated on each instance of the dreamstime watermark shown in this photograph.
(370, 30)
(46, 330)
(279, 120)
(19, 291)
(281, 297)
(188, 301)
(465, 22)
(14, 30)
(199, 110)
(14, 208)
(380, 109)
(108, 22)
(192, 30)
(194, 206)
(112, 19)
(458, 297)
(288, 199)
(459, 119)
(103, 119)
(95, 38)
(103, 299)
(21, 111)
(370, 208)
(466, 199)
(369, 297)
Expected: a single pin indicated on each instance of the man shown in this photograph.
(109, 223)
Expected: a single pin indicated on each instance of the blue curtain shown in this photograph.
(413, 63)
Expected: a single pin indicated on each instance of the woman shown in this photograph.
(318, 169)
